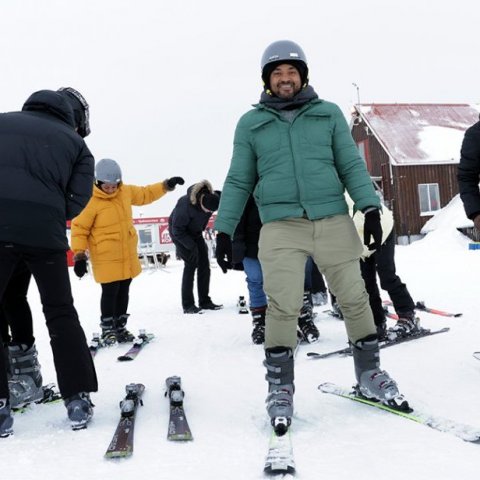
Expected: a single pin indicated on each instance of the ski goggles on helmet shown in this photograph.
(83, 127)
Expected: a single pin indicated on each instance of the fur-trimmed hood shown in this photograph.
(195, 191)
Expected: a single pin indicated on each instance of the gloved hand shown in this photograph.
(223, 251)
(172, 182)
(80, 266)
(372, 228)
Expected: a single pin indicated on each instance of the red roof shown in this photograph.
(417, 133)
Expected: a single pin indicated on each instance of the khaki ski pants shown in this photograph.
(335, 246)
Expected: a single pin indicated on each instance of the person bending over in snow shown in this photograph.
(186, 224)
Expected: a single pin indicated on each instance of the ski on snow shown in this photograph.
(138, 344)
(423, 308)
(97, 343)
(382, 344)
(178, 429)
(122, 441)
(465, 432)
(279, 459)
(476, 355)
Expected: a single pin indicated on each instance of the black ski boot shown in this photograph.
(306, 327)
(109, 334)
(407, 324)
(307, 302)
(123, 335)
(25, 382)
(374, 383)
(79, 410)
(258, 322)
(279, 364)
(242, 305)
(6, 418)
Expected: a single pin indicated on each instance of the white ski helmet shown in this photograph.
(108, 171)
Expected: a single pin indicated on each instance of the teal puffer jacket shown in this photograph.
(294, 168)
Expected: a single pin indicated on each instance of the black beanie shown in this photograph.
(210, 201)
(270, 67)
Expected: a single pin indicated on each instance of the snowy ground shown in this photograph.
(222, 375)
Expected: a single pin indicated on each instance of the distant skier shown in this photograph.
(105, 229)
(186, 224)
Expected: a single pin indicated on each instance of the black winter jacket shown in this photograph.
(46, 172)
(187, 220)
(469, 171)
(246, 236)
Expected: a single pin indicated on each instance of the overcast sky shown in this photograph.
(167, 81)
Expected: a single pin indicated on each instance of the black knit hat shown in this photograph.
(210, 201)
(298, 64)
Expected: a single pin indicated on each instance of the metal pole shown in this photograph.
(358, 92)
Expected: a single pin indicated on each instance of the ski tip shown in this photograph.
(124, 358)
(270, 471)
(326, 387)
(119, 454)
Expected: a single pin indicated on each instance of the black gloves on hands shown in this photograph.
(223, 252)
(80, 266)
(372, 228)
(172, 182)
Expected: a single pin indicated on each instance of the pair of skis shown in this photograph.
(96, 343)
(178, 429)
(280, 460)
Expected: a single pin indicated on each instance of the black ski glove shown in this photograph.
(80, 266)
(223, 252)
(172, 182)
(372, 228)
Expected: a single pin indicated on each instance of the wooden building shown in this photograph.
(412, 153)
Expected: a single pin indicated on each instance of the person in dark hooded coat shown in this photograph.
(469, 172)
(186, 224)
(46, 178)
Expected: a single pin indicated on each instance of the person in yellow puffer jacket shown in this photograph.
(382, 262)
(105, 229)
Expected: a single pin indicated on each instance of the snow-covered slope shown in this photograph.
(222, 376)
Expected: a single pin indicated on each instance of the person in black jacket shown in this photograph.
(186, 224)
(46, 178)
(468, 174)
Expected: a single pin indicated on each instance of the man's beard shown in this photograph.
(289, 94)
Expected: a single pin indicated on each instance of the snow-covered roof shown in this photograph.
(419, 133)
(451, 216)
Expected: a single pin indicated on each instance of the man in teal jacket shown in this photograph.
(295, 152)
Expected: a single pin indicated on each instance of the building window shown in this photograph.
(429, 195)
(145, 235)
